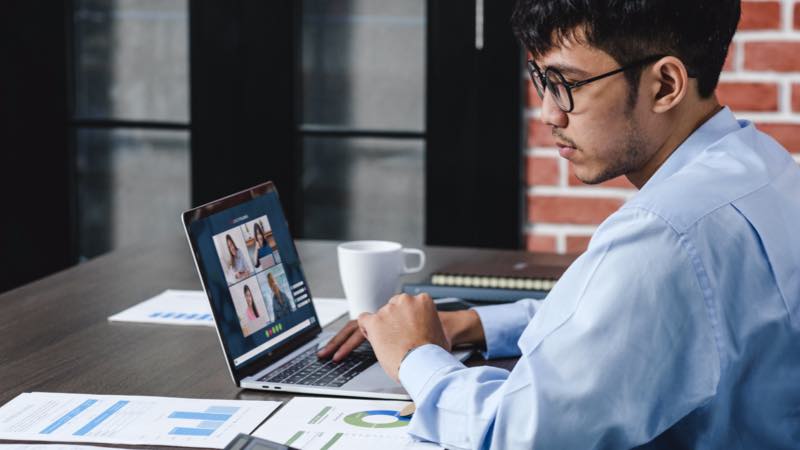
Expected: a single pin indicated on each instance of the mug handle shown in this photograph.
(413, 251)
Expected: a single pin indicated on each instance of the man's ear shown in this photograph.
(670, 83)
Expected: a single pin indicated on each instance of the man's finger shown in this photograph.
(364, 322)
(342, 336)
(424, 297)
(352, 342)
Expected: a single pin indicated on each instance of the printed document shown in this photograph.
(130, 420)
(171, 307)
(54, 447)
(178, 307)
(316, 423)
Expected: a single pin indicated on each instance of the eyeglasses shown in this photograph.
(552, 80)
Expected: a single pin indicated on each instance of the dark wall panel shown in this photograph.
(35, 167)
(242, 97)
(474, 126)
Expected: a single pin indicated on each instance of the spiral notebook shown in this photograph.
(500, 277)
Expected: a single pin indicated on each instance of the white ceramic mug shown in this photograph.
(371, 272)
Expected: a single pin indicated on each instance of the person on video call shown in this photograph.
(262, 249)
(679, 327)
(252, 311)
(237, 264)
(281, 305)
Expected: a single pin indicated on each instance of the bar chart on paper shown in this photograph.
(129, 420)
(331, 424)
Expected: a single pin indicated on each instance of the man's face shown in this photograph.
(603, 136)
(272, 284)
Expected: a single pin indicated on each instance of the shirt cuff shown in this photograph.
(503, 325)
(423, 365)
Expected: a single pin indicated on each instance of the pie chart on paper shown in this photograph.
(381, 418)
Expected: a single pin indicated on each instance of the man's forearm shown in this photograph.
(463, 327)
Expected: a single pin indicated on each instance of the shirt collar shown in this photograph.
(718, 126)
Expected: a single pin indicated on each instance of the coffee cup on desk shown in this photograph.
(371, 271)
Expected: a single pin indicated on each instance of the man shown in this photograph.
(281, 305)
(679, 327)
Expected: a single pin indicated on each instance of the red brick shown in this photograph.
(541, 243)
(539, 134)
(760, 16)
(533, 98)
(575, 210)
(796, 95)
(785, 133)
(797, 16)
(730, 60)
(779, 56)
(618, 182)
(542, 171)
(577, 244)
(749, 96)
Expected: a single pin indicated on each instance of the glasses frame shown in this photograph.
(535, 72)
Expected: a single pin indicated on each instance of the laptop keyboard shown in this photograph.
(308, 369)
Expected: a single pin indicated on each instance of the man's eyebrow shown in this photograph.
(568, 70)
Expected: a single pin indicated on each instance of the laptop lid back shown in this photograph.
(251, 272)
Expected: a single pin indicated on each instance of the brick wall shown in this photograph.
(760, 82)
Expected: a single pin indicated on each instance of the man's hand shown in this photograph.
(460, 327)
(405, 323)
(348, 338)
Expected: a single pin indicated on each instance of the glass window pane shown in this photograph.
(131, 59)
(132, 186)
(364, 189)
(363, 63)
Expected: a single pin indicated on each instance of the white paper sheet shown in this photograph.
(329, 309)
(129, 420)
(54, 447)
(171, 307)
(177, 307)
(314, 423)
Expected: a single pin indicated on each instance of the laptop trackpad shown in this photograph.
(374, 379)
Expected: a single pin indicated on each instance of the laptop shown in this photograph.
(262, 304)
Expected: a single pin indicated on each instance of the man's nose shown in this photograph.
(551, 114)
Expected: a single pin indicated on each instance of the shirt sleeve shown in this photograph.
(621, 350)
(503, 325)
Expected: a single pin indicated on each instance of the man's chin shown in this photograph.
(587, 177)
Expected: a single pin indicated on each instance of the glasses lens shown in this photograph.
(536, 78)
(558, 88)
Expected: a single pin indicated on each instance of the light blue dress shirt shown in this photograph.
(678, 328)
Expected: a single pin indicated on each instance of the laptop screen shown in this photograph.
(252, 273)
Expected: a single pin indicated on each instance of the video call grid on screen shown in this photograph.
(254, 262)
(252, 268)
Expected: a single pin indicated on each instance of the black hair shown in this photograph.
(257, 229)
(228, 238)
(255, 310)
(698, 32)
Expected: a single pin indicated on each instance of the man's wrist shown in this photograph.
(467, 328)
(410, 351)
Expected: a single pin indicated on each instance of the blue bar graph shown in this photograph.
(191, 431)
(208, 421)
(99, 419)
(180, 315)
(223, 409)
(199, 416)
(66, 417)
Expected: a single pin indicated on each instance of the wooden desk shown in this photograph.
(55, 336)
